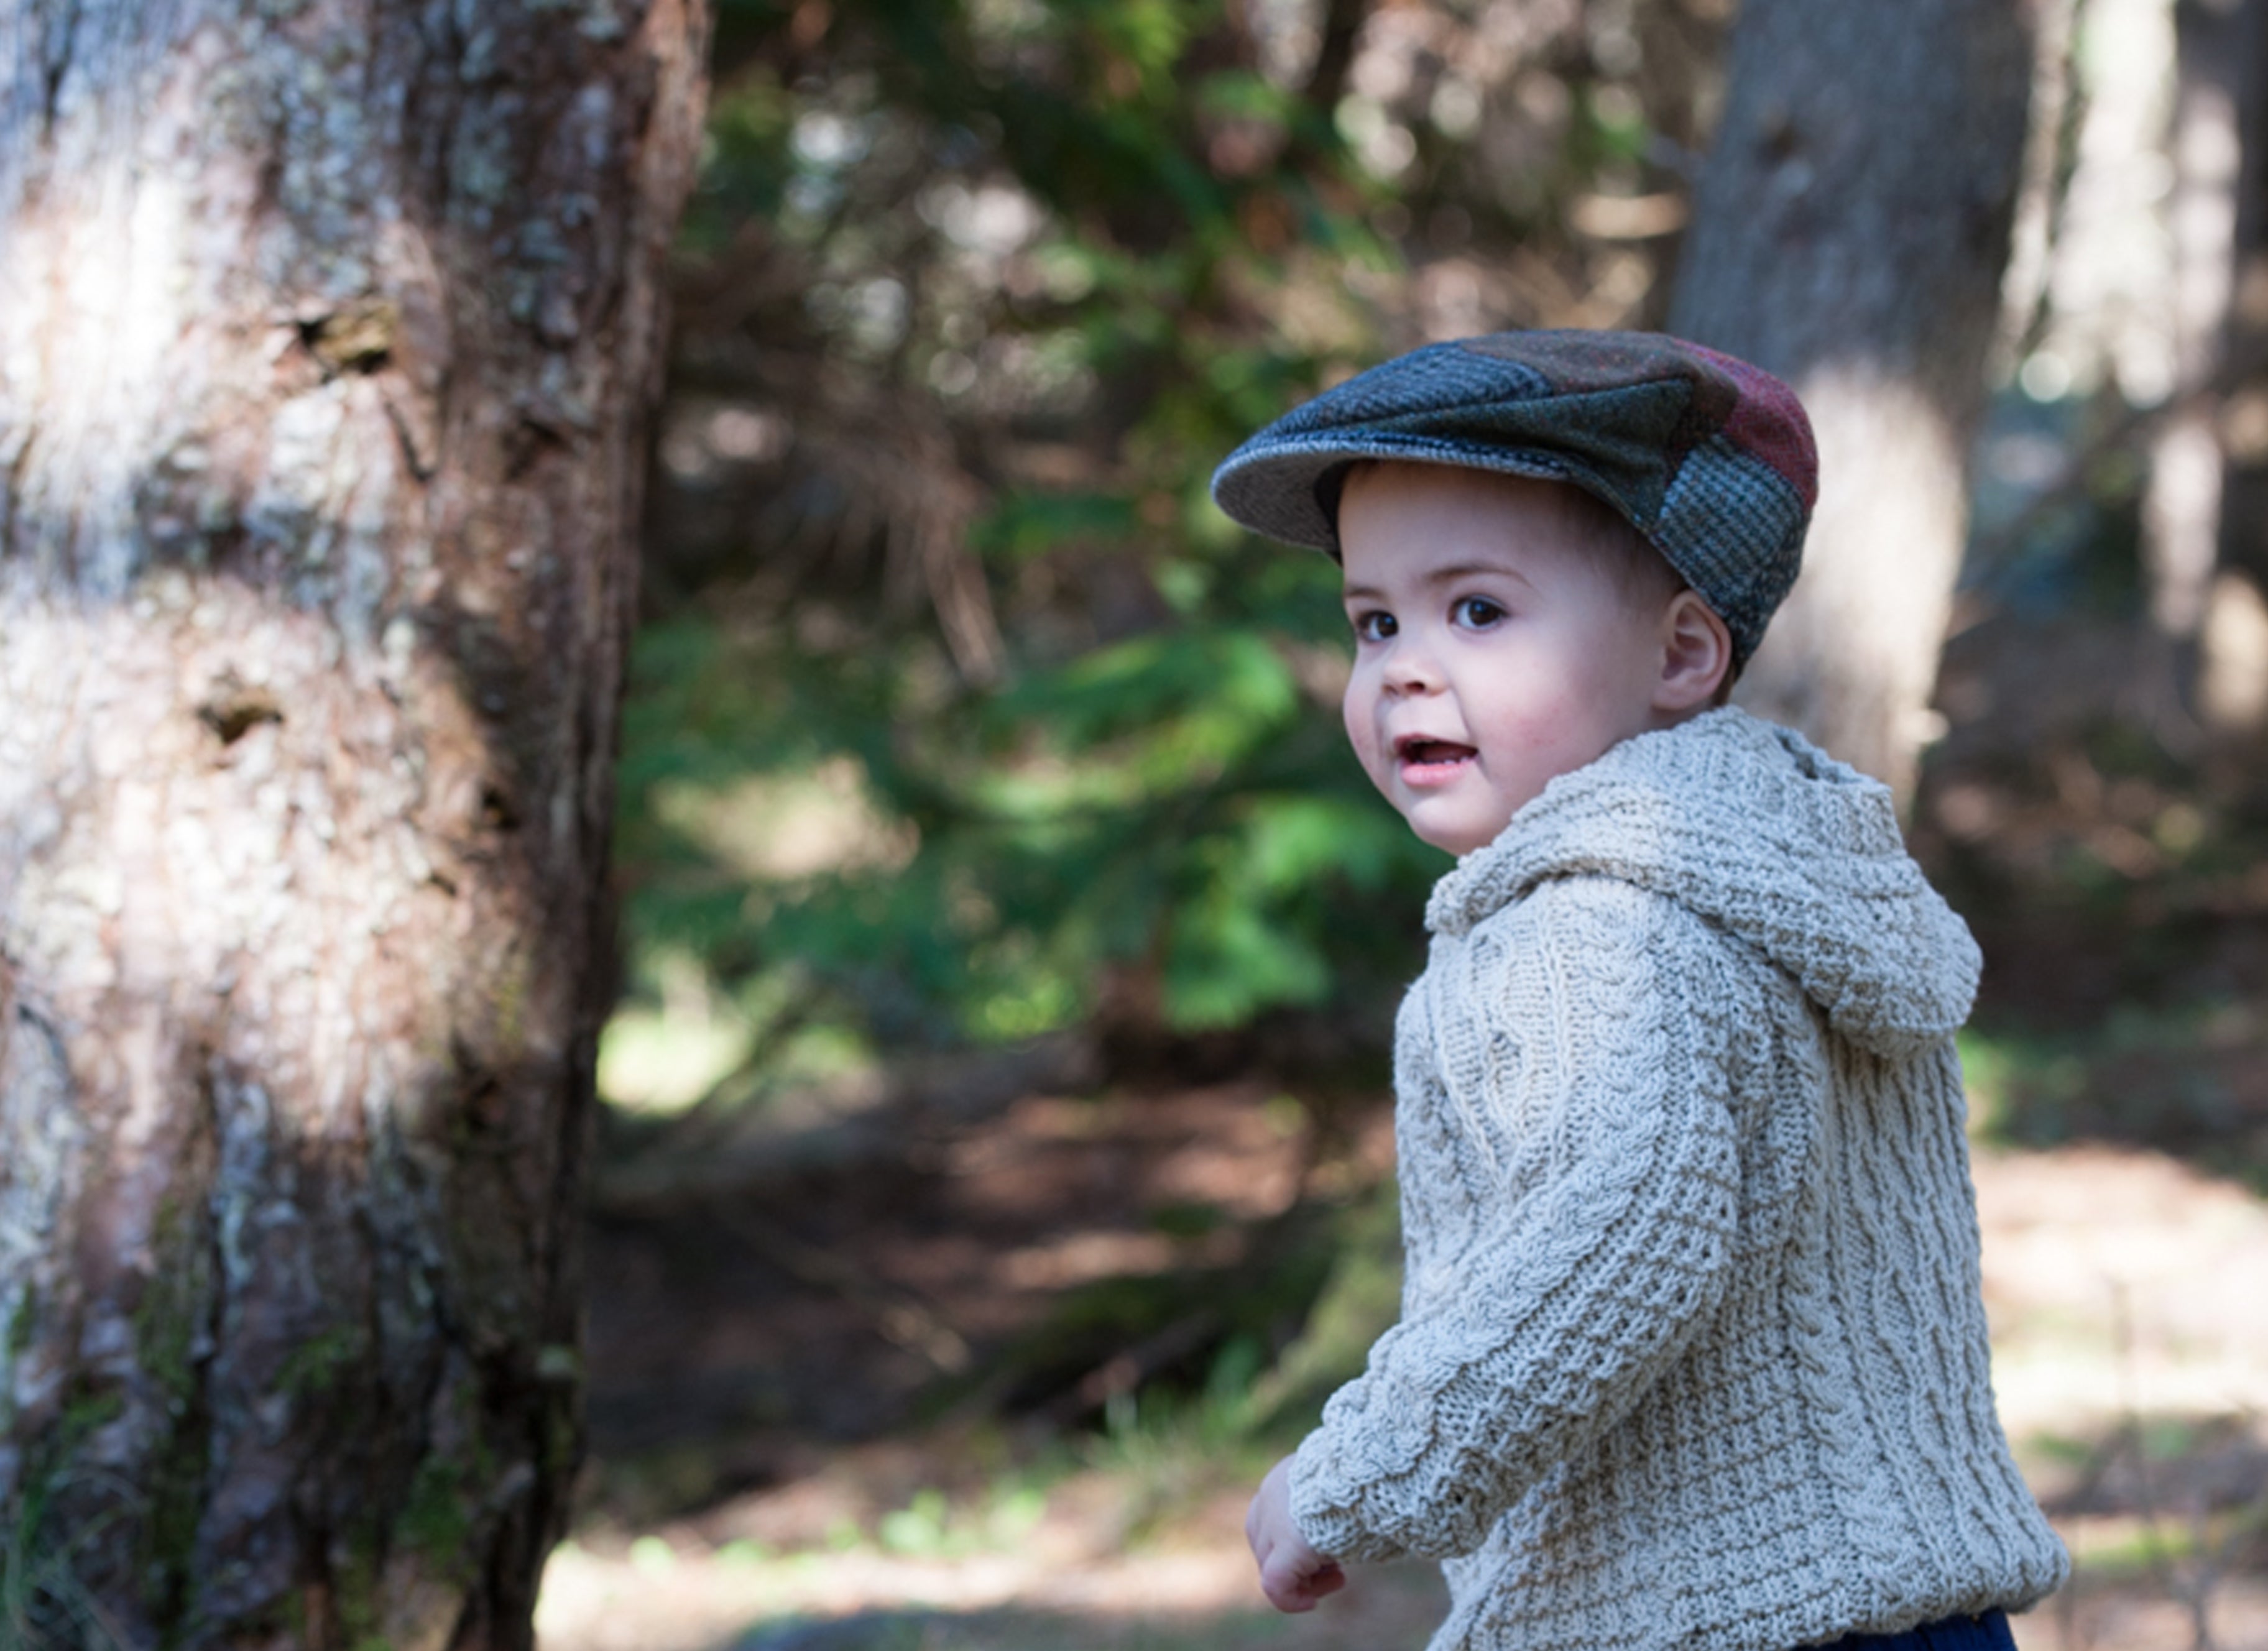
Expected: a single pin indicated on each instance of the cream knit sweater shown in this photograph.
(1691, 1352)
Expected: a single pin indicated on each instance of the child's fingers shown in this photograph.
(1286, 1588)
(1279, 1578)
(1291, 1585)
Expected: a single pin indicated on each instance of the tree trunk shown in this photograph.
(327, 333)
(1850, 229)
(2233, 640)
(2182, 501)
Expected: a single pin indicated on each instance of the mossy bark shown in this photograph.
(329, 331)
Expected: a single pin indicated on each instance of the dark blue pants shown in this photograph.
(1988, 1633)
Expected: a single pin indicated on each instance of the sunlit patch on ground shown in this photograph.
(2130, 1357)
(1074, 1580)
(2122, 1283)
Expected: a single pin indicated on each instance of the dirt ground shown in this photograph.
(764, 1485)
(2129, 1300)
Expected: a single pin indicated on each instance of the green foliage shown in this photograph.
(933, 1526)
(436, 1520)
(975, 294)
(314, 1367)
(1165, 809)
(59, 1512)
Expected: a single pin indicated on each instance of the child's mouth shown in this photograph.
(1427, 762)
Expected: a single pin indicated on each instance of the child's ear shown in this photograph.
(1697, 651)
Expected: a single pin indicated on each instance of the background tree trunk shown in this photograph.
(327, 332)
(2233, 685)
(1850, 229)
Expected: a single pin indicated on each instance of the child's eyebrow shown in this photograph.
(1441, 575)
(1466, 569)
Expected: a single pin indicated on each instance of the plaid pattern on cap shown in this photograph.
(1710, 458)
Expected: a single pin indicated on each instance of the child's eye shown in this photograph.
(1374, 626)
(1478, 611)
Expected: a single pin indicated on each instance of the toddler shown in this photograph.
(1691, 1353)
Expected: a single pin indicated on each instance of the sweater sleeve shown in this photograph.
(1579, 1046)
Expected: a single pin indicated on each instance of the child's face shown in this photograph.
(1494, 648)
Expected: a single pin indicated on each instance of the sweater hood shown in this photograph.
(1767, 836)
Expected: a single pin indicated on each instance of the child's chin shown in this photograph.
(1458, 837)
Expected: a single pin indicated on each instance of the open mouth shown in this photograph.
(1421, 756)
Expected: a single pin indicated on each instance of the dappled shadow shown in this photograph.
(2129, 1340)
(2167, 1519)
(2161, 1467)
(1408, 1623)
(1026, 1257)
(1195, 1593)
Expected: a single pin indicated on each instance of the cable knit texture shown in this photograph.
(1693, 1349)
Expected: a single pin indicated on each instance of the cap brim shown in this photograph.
(1287, 487)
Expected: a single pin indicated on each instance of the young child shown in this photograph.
(1692, 1351)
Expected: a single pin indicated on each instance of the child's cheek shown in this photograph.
(1359, 710)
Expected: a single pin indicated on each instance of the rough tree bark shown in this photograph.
(1850, 229)
(327, 333)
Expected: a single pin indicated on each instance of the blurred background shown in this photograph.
(995, 1161)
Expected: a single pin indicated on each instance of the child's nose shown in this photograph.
(1410, 668)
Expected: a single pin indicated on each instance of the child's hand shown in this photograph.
(1292, 1574)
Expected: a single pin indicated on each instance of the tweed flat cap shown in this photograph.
(1710, 458)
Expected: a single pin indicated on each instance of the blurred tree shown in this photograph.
(1850, 230)
(2211, 600)
(2181, 501)
(328, 336)
(2138, 303)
